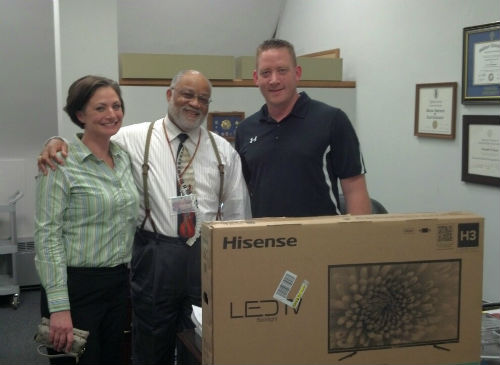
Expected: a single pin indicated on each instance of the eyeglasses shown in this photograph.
(188, 95)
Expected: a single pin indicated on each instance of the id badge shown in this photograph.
(183, 204)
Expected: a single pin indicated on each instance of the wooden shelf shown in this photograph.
(238, 83)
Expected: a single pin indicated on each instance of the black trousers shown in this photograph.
(99, 303)
(165, 283)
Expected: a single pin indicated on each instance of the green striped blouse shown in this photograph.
(86, 214)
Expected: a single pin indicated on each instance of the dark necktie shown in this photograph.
(186, 222)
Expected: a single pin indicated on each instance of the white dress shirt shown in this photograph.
(162, 183)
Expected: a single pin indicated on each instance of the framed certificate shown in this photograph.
(481, 149)
(225, 123)
(435, 110)
(481, 64)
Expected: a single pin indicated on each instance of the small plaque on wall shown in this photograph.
(435, 110)
(225, 123)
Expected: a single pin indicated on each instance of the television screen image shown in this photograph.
(383, 305)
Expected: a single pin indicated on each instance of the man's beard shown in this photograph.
(177, 117)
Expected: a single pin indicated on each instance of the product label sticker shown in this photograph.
(284, 288)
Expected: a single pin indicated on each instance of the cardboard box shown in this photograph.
(313, 69)
(329, 69)
(329, 53)
(376, 289)
(166, 66)
(245, 65)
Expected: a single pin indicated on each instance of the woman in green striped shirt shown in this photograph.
(86, 212)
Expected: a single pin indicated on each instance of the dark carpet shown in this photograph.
(17, 328)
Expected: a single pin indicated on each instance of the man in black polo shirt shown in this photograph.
(294, 150)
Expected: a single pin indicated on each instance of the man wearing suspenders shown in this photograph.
(185, 175)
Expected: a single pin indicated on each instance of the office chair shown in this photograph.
(377, 207)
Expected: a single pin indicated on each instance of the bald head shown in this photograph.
(189, 73)
(188, 99)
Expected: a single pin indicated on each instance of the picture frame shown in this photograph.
(224, 123)
(435, 110)
(480, 149)
(481, 64)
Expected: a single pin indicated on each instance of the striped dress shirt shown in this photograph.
(162, 174)
(86, 215)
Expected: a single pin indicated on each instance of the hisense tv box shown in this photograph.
(374, 289)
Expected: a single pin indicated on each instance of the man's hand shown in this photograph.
(49, 156)
(61, 331)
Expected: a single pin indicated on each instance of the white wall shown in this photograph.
(28, 100)
(388, 47)
(215, 27)
(86, 42)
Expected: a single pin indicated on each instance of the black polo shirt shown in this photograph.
(292, 167)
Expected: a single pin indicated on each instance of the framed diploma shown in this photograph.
(225, 123)
(435, 110)
(481, 149)
(481, 64)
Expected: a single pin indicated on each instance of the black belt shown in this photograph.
(158, 236)
(121, 267)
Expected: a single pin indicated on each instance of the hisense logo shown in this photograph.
(239, 242)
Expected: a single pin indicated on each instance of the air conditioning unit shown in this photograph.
(25, 263)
